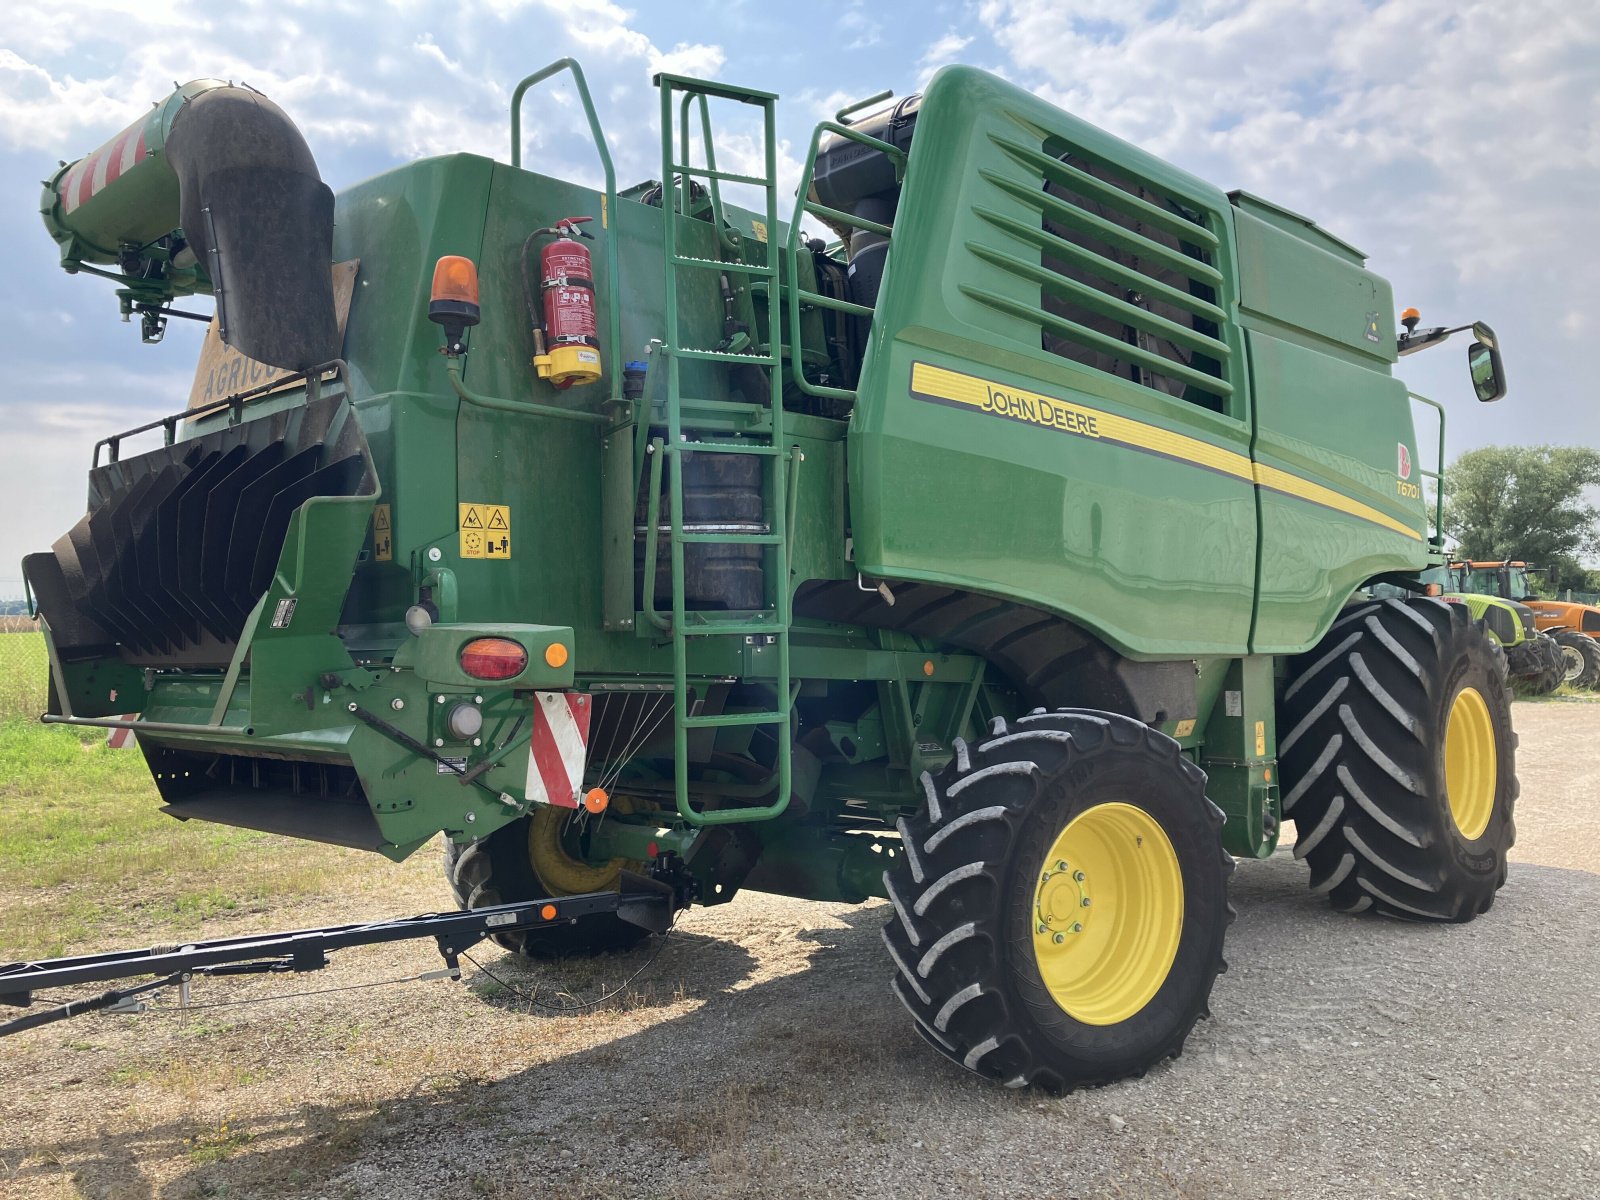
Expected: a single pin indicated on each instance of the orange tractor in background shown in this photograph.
(1573, 626)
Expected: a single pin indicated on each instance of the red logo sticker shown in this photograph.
(1405, 462)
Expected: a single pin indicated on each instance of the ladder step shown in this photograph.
(686, 260)
(756, 448)
(722, 176)
(723, 356)
(733, 629)
(730, 720)
(732, 539)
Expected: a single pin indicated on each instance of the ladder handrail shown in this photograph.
(608, 214)
(723, 234)
(803, 205)
(1436, 476)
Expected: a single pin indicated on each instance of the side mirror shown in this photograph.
(1483, 361)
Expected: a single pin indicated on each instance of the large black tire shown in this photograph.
(1580, 658)
(1370, 719)
(499, 869)
(962, 933)
(1552, 666)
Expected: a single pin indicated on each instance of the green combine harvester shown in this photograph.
(994, 537)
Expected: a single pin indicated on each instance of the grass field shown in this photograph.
(87, 857)
(23, 674)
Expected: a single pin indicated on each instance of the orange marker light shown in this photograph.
(548, 912)
(455, 278)
(555, 655)
(1266, 776)
(595, 800)
(1434, 589)
(1410, 312)
(454, 303)
(927, 667)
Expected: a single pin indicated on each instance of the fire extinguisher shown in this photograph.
(566, 348)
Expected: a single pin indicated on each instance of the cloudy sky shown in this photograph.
(1458, 144)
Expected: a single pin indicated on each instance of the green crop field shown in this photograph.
(87, 857)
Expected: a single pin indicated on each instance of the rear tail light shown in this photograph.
(493, 658)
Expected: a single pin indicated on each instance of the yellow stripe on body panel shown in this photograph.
(1304, 489)
(1049, 412)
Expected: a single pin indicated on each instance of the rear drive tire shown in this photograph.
(1580, 657)
(1060, 903)
(1398, 762)
(500, 869)
(1552, 666)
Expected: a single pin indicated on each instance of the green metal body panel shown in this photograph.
(1122, 539)
(1222, 524)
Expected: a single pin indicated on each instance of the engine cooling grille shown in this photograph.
(180, 543)
(1127, 274)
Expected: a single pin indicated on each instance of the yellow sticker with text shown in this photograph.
(760, 228)
(485, 530)
(382, 541)
(1184, 729)
(1261, 739)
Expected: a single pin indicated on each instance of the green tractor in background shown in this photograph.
(1005, 552)
(1571, 627)
(1533, 661)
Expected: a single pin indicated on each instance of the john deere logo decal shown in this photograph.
(1405, 462)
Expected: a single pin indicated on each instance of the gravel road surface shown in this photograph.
(761, 1054)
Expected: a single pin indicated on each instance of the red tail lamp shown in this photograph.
(454, 301)
(493, 658)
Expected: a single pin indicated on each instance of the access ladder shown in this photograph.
(768, 627)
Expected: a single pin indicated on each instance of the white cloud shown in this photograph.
(1458, 145)
(699, 61)
(942, 51)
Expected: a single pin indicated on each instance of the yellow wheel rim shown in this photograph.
(1107, 913)
(557, 869)
(1471, 762)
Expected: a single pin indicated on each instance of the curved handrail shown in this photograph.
(848, 109)
(608, 213)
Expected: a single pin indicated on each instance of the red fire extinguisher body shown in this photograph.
(567, 274)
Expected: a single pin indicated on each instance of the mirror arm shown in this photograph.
(1411, 343)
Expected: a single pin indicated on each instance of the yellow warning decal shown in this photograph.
(382, 541)
(1261, 739)
(1049, 412)
(760, 228)
(1184, 729)
(485, 530)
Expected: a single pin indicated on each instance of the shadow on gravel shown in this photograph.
(813, 1083)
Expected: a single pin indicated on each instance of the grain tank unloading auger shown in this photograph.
(1014, 570)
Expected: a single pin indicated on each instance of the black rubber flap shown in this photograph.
(260, 219)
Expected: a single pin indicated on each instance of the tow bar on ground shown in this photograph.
(646, 902)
